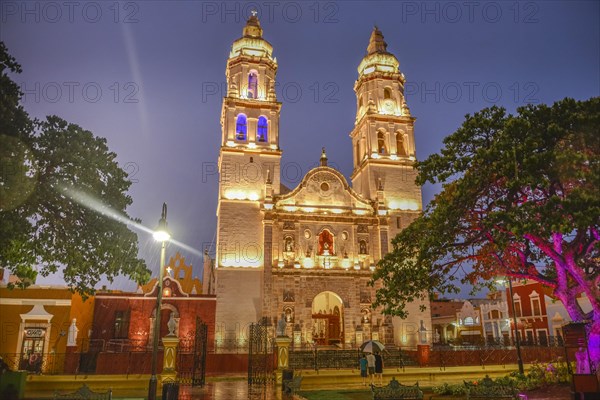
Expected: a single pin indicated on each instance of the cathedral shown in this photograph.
(306, 254)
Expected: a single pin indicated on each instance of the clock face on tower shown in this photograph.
(388, 105)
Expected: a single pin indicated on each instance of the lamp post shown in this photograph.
(517, 339)
(161, 234)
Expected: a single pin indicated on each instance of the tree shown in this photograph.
(520, 198)
(50, 170)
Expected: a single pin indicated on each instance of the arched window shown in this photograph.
(253, 85)
(381, 147)
(469, 321)
(357, 152)
(241, 128)
(360, 102)
(387, 93)
(263, 125)
(400, 149)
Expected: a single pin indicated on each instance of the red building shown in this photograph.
(123, 323)
(530, 308)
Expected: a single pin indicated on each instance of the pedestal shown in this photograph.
(71, 360)
(423, 354)
(283, 356)
(170, 358)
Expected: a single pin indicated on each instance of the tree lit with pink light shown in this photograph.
(520, 198)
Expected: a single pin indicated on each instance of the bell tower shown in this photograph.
(383, 137)
(249, 157)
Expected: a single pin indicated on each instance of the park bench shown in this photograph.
(396, 391)
(84, 393)
(487, 389)
(292, 385)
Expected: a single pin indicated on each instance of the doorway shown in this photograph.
(327, 319)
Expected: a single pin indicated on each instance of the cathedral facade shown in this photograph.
(307, 254)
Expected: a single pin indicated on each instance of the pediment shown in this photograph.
(324, 188)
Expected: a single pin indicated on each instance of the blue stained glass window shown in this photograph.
(262, 129)
(241, 129)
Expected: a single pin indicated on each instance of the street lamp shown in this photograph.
(161, 234)
(517, 339)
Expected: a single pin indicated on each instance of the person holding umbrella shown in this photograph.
(379, 367)
(371, 366)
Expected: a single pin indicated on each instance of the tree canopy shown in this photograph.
(43, 228)
(520, 198)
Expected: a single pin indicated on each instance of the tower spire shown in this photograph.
(252, 28)
(376, 42)
(323, 157)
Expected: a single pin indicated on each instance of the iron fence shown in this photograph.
(51, 363)
(328, 358)
(548, 341)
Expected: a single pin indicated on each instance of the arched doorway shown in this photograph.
(328, 319)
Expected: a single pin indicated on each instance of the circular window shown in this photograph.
(307, 234)
(345, 235)
(324, 186)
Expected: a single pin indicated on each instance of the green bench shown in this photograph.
(396, 391)
(488, 389)
(84, 393)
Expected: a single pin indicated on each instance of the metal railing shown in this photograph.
(319, 358)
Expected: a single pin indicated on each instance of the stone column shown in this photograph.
(170, 358)
(283, 355)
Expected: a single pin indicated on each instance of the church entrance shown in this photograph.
(327, 319)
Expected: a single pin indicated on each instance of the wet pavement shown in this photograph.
(232, 390)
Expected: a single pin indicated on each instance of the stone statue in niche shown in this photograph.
(172, 324)
(362, 247)
(289, 244)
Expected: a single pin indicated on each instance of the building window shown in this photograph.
(387, 93)
(381, 147)
(536, 307)
(262, 129)
(518, 311)
(241, 128)
(253, 85)
(400, 149)
(121, 324)
(469, 321)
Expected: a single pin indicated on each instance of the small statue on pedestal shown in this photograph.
(281, 325)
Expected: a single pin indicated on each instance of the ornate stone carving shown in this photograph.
(288, 226)
(288, 296)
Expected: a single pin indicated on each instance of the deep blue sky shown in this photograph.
(169, 56)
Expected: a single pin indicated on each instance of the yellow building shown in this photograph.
(40, 324)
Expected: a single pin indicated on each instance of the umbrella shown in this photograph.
(371, 346)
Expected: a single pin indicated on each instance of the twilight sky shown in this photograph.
(150, 76)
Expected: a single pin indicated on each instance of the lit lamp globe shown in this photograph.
(161, 233)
